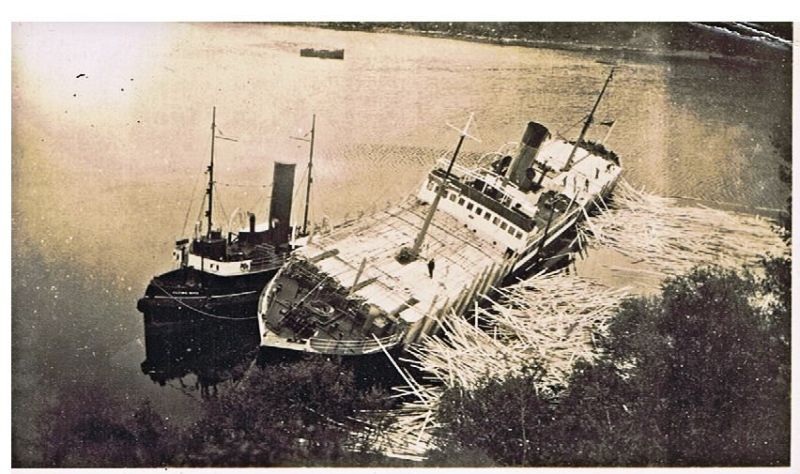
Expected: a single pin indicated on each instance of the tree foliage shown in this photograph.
(290, 414)
(501, 420)
(698, 376)
(710, 368)
(88, 429)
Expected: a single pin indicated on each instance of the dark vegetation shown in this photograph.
(290, 414)
(721, 39)
(698, 376)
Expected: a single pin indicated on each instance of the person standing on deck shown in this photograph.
(431, 265)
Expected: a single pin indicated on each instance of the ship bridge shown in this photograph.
(513, 210)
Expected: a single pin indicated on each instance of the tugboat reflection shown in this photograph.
(200, 355)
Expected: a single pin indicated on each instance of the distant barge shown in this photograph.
(322, 53)
(385, 281)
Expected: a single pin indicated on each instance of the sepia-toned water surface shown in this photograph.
(111, 135)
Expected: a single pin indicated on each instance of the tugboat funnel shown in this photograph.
(535, 135)
(280, 206)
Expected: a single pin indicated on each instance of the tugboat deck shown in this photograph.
(407, 291)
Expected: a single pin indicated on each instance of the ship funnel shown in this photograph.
(280, 206)
(535, 135)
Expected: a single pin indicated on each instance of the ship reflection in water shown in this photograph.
(199, 355)
(202, 357)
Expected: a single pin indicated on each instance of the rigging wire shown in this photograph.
(189, 209)
(200, 211)
(564, 130)
(474, 132)
(221, 207)
(264, 186)
(300, 188)
(257, 203)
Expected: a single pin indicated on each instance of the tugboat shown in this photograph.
(386, 280)
(221, 276)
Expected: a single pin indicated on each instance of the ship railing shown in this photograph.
(274, 261)
(265, 267)
(265, 299)
(355, 346)
(458, 171)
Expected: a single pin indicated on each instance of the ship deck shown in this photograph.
(460, 256)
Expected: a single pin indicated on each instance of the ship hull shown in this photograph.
(540, 256)
(186, 295)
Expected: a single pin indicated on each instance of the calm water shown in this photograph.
(104, 165)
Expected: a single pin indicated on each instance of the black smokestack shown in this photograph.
(280, 206)
(535, 134)
(252, 222)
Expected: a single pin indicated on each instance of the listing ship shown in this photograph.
(221, 276)
(384, 281)
(322, 53)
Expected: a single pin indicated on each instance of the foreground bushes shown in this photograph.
(698, 376)
(297, 414)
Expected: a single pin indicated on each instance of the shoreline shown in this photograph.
(769, 52)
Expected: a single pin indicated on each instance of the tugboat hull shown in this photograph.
(186, 294)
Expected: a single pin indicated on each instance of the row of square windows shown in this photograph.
(478, 211)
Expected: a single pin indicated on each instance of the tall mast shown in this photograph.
(310, 164)
(588, 122)
(421, 236)
(210, 190)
